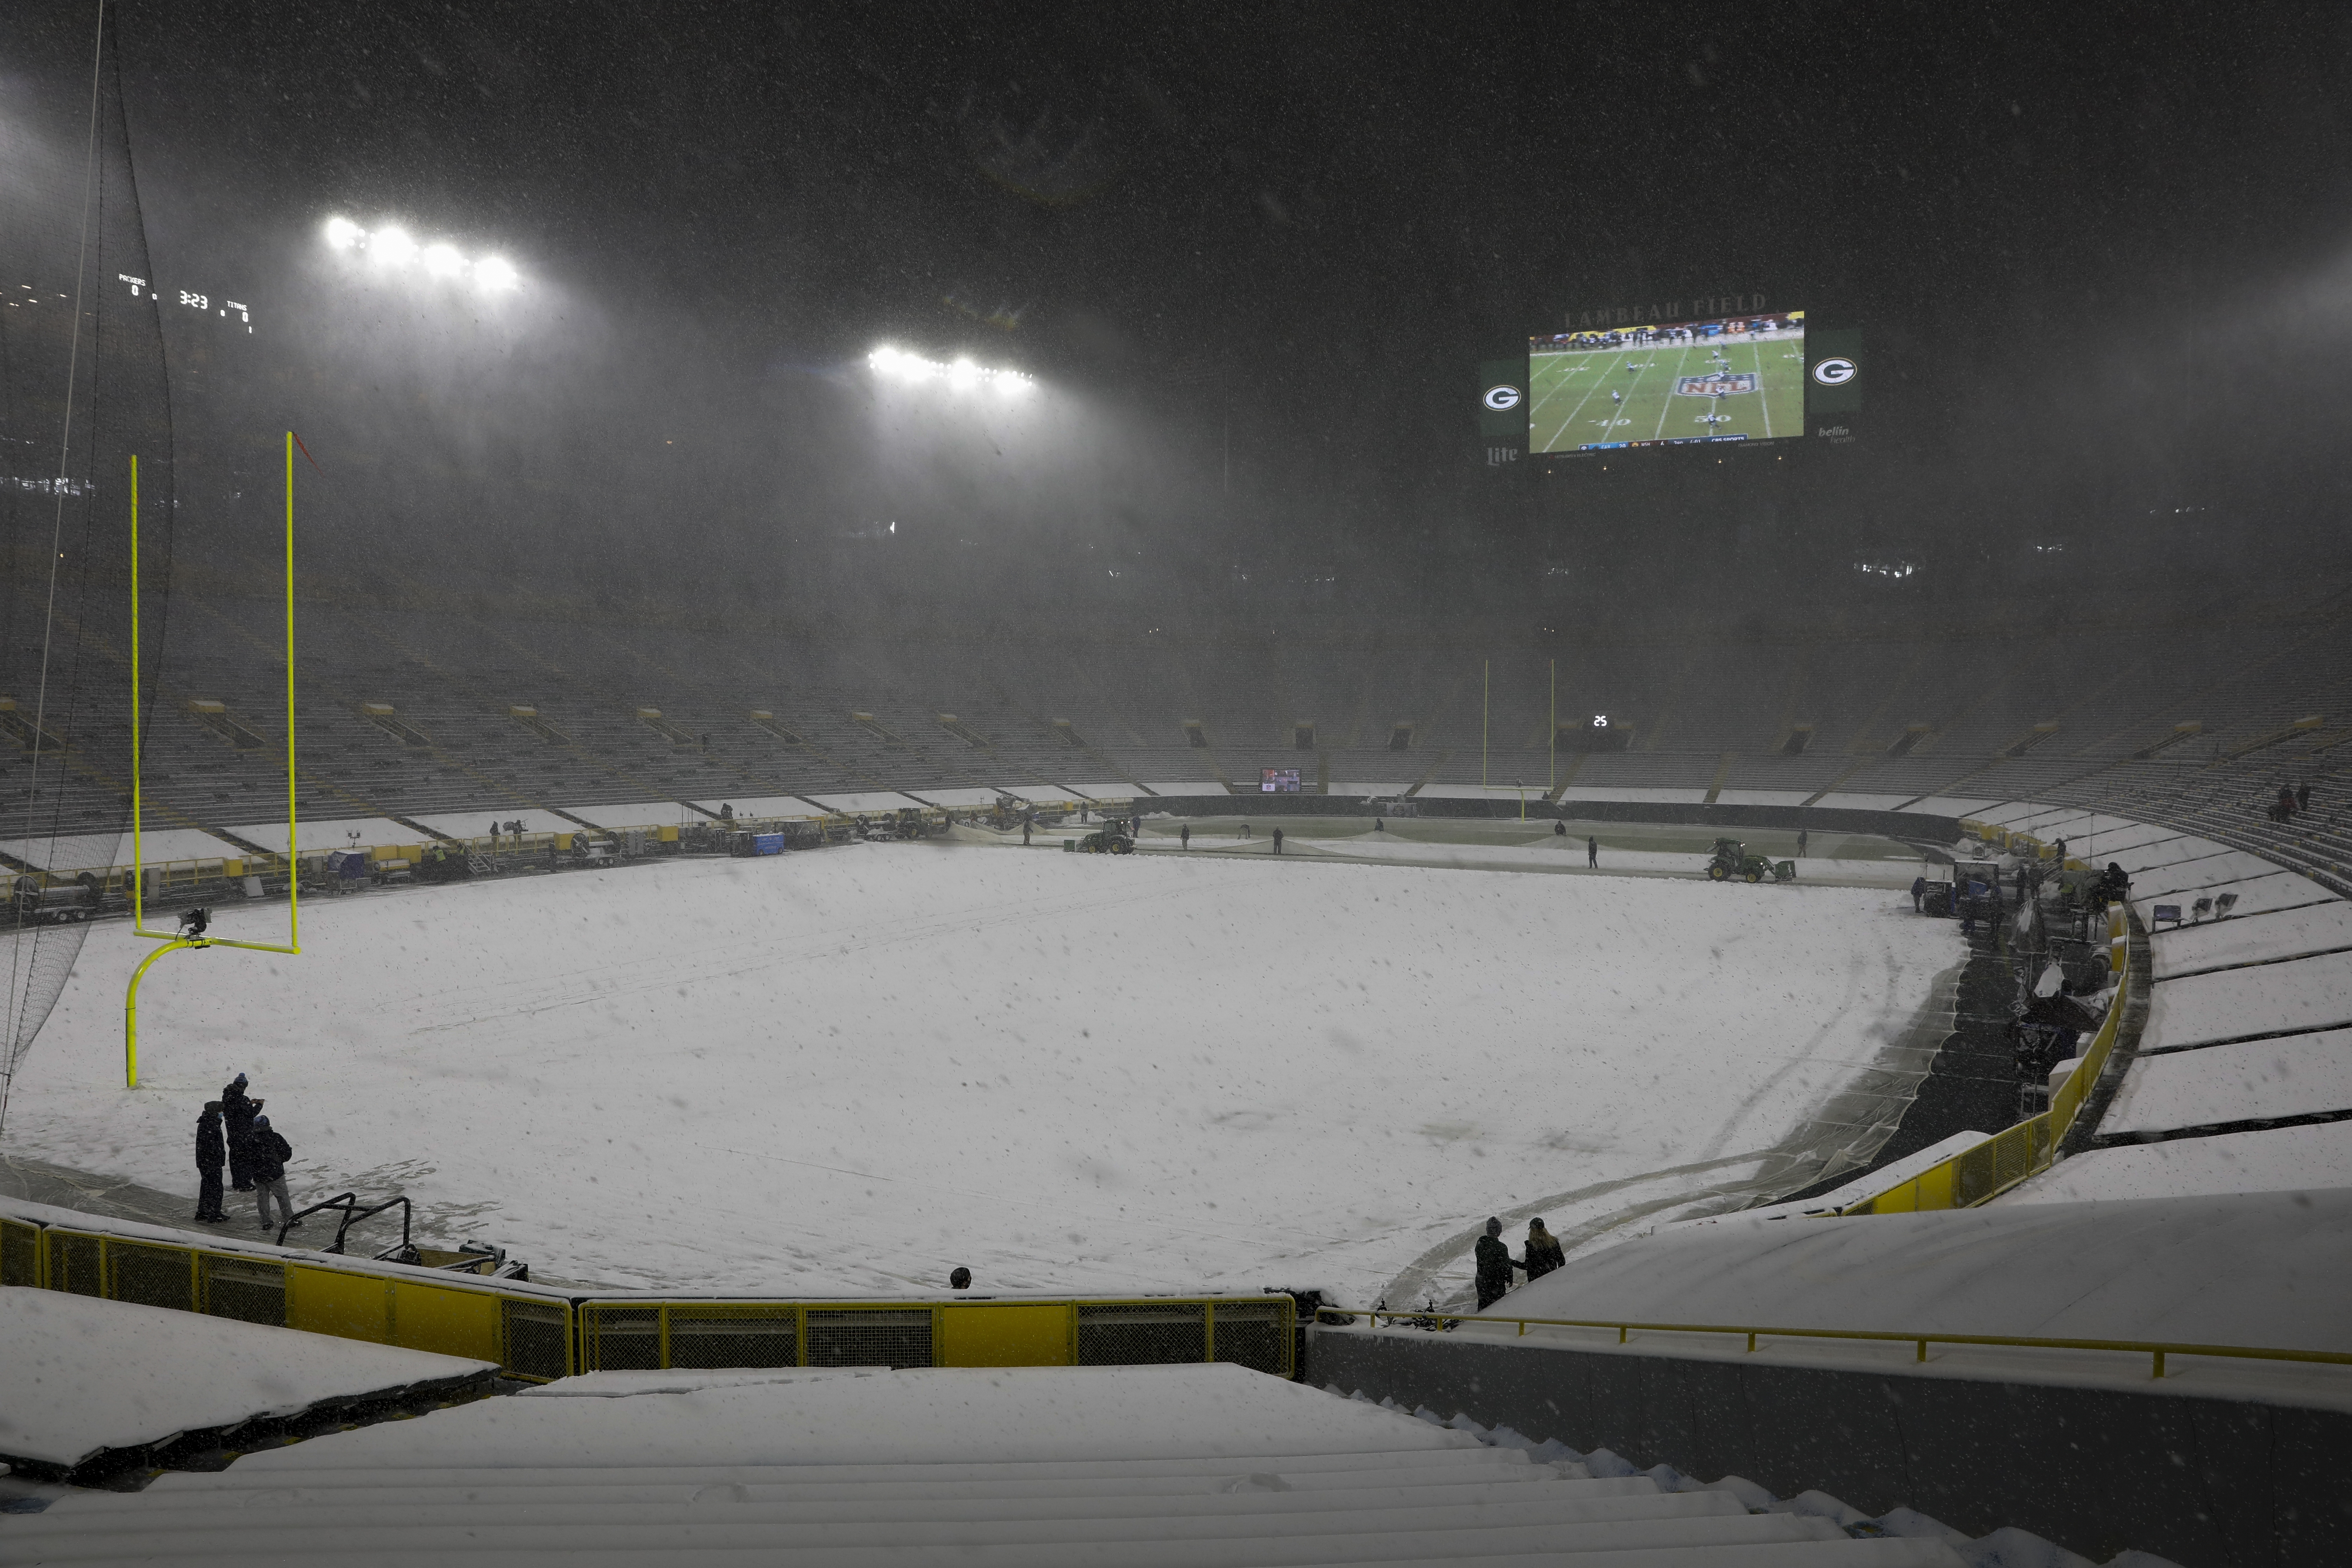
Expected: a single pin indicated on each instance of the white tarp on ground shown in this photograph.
(1850, 800)
(2263, 1269)
(2287, 1158)
(1116, 789)
(850, 803)
(1686, 797)
(763, 804)
(2299, 994)
(477, 824)
(2257, 895)
(79, 1374)
(1211, 786)
(1969, 806)
(178, 844)
(959, 797)
(631, 813)
(329, 833)
(1763, 798)
(2288, 933)
(2293, 1075)
(1149, 1071)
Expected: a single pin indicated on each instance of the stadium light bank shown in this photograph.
(896, 365)
(393, 248)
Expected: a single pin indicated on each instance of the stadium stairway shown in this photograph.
(1151, 1468)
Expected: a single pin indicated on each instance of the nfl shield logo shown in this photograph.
(1718, 384)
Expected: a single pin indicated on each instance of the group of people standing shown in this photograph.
(1495, 1263)
(233, 1131)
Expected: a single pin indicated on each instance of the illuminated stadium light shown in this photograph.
(899, 365)
(392, 246)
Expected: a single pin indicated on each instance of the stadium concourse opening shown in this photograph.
(1012, 747)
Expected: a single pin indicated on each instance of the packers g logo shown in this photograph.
(1501, 399)
(1834, 372)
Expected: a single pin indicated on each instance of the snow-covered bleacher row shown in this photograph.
(2242, 1078)
(1035, 1467)
(412, 714)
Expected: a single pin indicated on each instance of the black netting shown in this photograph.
(624, 1339)
(742, 1337)
(536, 1339)
(1255, 1334)
(1119, 1334)
(83, 391)
(75, 1264)
(20, 1256)
(150, 1276)
(861, 1337)
(246, 1290)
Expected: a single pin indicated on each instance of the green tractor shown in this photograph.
(1107, 840)
(1731, 859)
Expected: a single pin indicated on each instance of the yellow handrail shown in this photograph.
(1624, 1327)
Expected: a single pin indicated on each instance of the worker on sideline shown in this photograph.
(1592, 850)
(1184, 832)
(237, 1111)
(269, 1153)
(212, 1149)
(1495, 1266)
(1277, 840)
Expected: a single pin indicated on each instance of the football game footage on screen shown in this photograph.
(1734, 378)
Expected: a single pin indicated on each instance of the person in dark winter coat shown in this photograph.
(1918, 894)
(2303, 796)
(1277, 840)
(1184, 832)
(268, 1152)
(1543, 1252)
(212, 1149)
(1592, 851)
(237, 1112)
(1495, 1266)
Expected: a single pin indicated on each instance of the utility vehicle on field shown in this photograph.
(1731, 859)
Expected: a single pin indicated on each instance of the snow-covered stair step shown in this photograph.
(302, 1462)
(1042, 1498)
(1840, 1554)
(1041, 1519)
(1159, 1543)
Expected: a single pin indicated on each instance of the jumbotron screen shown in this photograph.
(1731, 378)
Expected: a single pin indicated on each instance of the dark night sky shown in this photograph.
(2100, 252)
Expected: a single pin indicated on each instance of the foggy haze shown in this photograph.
(1251, 258)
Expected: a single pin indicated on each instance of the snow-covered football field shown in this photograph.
(848, 1071)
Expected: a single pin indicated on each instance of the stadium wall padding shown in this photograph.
(2099, 1470)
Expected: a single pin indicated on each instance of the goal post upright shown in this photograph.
(173, 940)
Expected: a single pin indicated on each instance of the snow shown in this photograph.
(1380, 791)
(633, 813)
(1763, 798)
(2284, 1159)
(2294, 1074)
(1116, 789)
(958, 798)
(1027, 1467)
(1853, 800)
(2169, 850)
(2204, 871)
(2267, 999)
(79, 1374)
(1061, 1415)
(1551, 847)
(333, 833)
(476, 824)
(2257, 895)
(873, 800)
(2214, 944)
(2255, 1270)
(1948, 806)
(1688, 796)
(1211, 786)
(156, 846)
(850, 1069)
